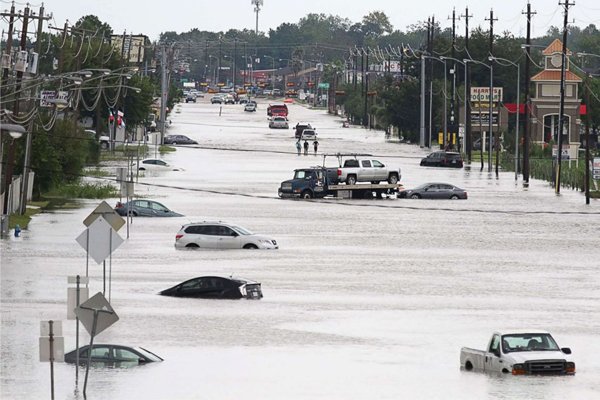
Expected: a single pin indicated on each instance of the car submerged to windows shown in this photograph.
(220, 235)
(216, 287)
(178, 139)
(113, 355)
(144, 208)
(155, 164)
(443, 159)
(434, 191)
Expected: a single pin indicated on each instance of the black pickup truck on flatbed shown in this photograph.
(319, 182)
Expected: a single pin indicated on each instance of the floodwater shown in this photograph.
(365, 299)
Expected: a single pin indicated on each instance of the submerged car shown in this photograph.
(113, 354)
(216, 287)
(434, 191)
(220, 235)
(156, 164)
(144, 208)
(279, 123)
(520, 353)
(178, 139)
(443, 159)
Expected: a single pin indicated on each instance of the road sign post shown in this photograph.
(96, 315)
(52, 347)
(74, 297)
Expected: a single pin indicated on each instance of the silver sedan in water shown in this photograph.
(434, 191)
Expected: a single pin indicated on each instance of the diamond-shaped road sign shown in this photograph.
(99, 240)
(96, 304)
(106, 211)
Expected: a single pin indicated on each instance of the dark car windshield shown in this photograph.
(528, 342)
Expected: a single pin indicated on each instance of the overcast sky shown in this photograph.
(151, 17)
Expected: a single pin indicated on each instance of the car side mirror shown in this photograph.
(566, 350)
(496, 352)
(234, 234)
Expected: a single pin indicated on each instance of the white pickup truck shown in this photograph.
(526, 353)
(367, 170)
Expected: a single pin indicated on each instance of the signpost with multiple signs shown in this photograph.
(596, 168)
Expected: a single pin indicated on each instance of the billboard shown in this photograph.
(132, 48)
(482, 94)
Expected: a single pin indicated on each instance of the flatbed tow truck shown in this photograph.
(321, 181)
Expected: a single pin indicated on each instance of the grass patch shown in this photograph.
(97, 172)
(23, 220)
(85, 190)
(166, 149)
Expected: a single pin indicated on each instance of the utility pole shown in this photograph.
(561, 121)
(234, 75)
(491, 97)
(164, 96)
(588, 121)
(219, 63)
(29, 136)
(468, 133)
(366, 76)
(427, 93)
(453, 98)
(9, 41)
(527, 134)
(11, 149)
(362, 79)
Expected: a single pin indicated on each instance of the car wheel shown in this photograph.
(192, 246)
(454, 197)
(104, 145)
(142, 169)
(415, 196)
(351, 180)
(307, 194)
(174, 143)
(250, 246)
(393, 179)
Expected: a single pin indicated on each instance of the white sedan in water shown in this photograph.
(155, 164)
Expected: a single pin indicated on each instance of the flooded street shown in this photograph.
(365, 299)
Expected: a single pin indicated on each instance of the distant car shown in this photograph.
(156, 164)
(190, 97)
(300, 127)
(477, 145)
(443, 159)
(220, 235)
(276, 92)
(144, 208)
(178, 139)
(113, 355)
(250, 107)
(103, 140)
(279, 123)
(216, 100)
(229, 99)
(243, 100)
(434, 191)
(216, 287)
(309, 134)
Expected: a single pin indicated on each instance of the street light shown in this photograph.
(464, 64)
(491, 58)
(442, 60)
(272, 73)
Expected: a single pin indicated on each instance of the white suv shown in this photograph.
(220, 235)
